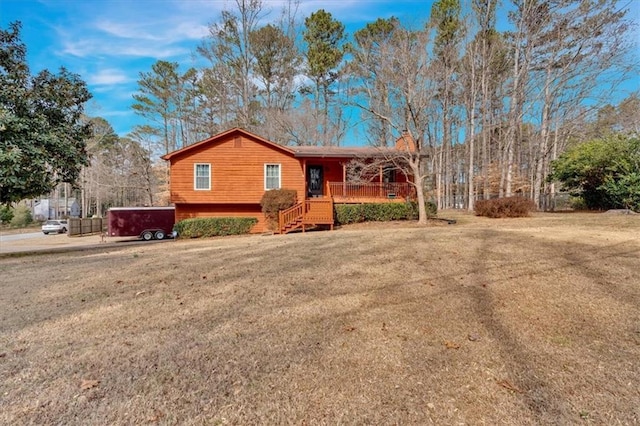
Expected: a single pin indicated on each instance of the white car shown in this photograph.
(55, 226)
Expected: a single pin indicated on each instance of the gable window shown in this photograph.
(271, 176)
(201, 176)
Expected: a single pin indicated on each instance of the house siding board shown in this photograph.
(187, 211)
(237, 172)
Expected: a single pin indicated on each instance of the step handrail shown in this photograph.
(290, 215)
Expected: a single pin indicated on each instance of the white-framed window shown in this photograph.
(202, 176)
(272, 176)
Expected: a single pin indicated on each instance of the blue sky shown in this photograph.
(109, 42)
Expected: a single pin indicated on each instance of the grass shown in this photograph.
(490, 321)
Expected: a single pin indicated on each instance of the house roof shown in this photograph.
(338, 151)
(296, 151)
(221, 136)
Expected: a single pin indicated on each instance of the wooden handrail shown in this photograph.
(289, 215)
(371, 190)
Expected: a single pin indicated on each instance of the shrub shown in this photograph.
(577, 203)
(275, 200)
(6, 214)
(504, 207)
(604, 172)
(432, 209)
(200, 227)
(381, 212)
(21, 217)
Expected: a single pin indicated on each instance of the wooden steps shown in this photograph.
(309, 212)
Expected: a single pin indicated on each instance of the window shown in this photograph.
(271, 176)
(201, 177)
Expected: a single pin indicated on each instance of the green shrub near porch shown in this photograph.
(379, 212)
(200, 227)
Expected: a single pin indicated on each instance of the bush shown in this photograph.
(21, 217)
(275, 200)
(200, 227)
(380, 212)
(432, 209)
(604, 172)
(6, 214)
(577, 203)
(504, 207)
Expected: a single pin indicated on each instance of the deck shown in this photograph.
(319, 211)
(374, 192)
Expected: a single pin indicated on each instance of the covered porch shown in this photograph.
(329, 180)
(331, 177)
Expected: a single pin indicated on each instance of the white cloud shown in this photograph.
(124, 30)
(98, 48)
(108, 76)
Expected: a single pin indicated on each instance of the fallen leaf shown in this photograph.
(350, 328)
(451, 345)
(88, 384)
(508, 385)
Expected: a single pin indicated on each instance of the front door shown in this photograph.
(314, 181)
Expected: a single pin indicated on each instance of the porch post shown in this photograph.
(304, 177)
(344, 180)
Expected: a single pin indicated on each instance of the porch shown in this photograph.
(318, 210)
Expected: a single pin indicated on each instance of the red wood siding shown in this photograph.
(186, 211)
(237, 172)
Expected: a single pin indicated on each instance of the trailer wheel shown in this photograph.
(159, 235)
(147, 235)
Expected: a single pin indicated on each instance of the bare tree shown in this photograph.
(228, 49)
(404, 65)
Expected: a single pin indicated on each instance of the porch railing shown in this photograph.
(318, 211)
(385, 190)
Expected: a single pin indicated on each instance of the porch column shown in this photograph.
(304, 177)
(344, 180)
(381, 178)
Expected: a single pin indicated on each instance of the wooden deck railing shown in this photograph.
(319, 211)
(401, 190)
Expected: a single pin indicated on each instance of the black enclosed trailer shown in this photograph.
(147, 223)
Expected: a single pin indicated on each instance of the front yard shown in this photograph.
(515, 321)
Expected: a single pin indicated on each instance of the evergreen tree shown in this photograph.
(42, 136)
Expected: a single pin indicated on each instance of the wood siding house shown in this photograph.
(227, 175)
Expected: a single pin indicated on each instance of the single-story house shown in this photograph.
(227, 175)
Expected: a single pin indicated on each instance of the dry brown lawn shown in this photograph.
(489, 321)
